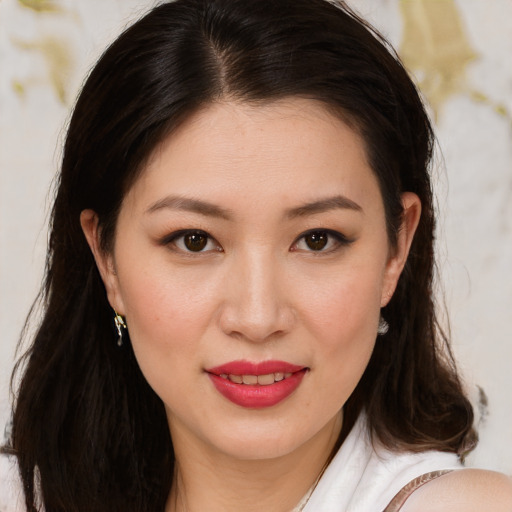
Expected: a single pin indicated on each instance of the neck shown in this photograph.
(208, 480)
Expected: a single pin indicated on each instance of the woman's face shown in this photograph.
(251, 261)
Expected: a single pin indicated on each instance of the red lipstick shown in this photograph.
(238, 382)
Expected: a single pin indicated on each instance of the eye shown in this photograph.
(320, 240)
(192, 241)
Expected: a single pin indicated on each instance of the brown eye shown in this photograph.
(316, 240)
(195, 242)
(321, 241)
(191, 241)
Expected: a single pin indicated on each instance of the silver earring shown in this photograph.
(120, 325)
(383, 326)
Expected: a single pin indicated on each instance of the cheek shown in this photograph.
(167, 318)
(343, 315)
(346, 304)
(167, 310)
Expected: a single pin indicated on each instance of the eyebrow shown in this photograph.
(324, 205)
(212, 210)
(191, 205)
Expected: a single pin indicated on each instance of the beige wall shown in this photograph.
(460, 53)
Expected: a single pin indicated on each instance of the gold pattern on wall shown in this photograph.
(437, 51)
(54, 50)
(41, 5)
(58, 60)
(435, 48)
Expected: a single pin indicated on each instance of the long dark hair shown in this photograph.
(88, 431)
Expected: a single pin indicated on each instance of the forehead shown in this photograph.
(288, 149)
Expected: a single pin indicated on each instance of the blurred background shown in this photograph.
(459, 52)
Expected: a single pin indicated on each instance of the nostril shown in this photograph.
(255, 326)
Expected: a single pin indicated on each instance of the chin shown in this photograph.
(259, 448)
(273, 439)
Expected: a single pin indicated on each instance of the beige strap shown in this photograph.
(401, 497)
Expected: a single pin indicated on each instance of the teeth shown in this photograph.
(262, 380)
(250, 379)
(265, 380)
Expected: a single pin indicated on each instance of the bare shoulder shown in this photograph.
(468, 490)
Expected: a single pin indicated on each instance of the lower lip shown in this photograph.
(257, 397)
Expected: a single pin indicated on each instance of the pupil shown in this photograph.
(195, 241)
(317, 241)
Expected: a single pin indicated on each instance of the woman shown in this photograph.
(239, 312)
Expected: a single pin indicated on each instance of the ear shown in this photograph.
(104, 261)
(410, 218)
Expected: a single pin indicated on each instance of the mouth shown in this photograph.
(257, 385)
(260, 380)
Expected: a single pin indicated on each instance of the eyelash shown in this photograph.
(338, 239)
(335, 237)
(173, 238)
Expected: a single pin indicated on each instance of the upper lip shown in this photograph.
(249, 368)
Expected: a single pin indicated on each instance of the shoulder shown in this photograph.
(468, 490)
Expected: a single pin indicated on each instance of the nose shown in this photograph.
(255, 306)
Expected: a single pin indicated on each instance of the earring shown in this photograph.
(383, 326)
(120, 325)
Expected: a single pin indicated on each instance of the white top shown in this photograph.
(364, 478)
(11, 495)
(361, 477)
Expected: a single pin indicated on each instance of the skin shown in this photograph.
(470, 490)
(257, 291)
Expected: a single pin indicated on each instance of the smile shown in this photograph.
(261, 380)
(256, 385)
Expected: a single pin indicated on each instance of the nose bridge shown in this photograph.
(255, 306)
